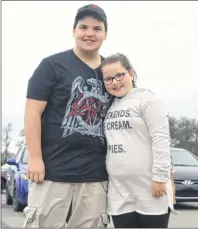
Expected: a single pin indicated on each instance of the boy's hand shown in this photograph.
(36, 170)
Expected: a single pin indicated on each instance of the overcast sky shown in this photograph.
(160, 38)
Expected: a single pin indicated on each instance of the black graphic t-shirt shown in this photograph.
(73, 141)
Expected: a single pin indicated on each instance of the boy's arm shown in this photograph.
(38, 92)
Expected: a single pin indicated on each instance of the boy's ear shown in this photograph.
(106, 33)
(73, 33)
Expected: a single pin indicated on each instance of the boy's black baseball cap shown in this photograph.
(94, 9)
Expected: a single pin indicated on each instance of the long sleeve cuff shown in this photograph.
(160, 178)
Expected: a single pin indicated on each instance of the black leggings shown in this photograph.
(137, 220)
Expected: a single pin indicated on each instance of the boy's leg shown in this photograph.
(89, 205)
(48, 204)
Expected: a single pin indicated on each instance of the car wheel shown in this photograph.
(17, 206)
(8, 197)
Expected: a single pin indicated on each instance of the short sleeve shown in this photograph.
(41, 82)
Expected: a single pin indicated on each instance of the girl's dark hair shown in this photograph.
(118, 57)
(87, 14)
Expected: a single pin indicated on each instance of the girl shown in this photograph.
(138, 159)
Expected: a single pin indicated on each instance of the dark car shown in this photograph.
(185, 164)
(4, 169)
(17, 181)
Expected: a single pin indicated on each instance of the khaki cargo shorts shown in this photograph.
(49, 204)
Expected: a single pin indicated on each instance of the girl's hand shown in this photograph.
(158, 189)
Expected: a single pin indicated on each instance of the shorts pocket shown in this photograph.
(30, 217)
(104, 220)
(104, 185)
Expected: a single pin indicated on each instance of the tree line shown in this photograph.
(183, 132)
(6, 141)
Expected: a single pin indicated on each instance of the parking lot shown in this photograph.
(187, 217)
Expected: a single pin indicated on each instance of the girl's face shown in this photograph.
(117, 79)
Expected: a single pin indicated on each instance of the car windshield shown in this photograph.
(25, 157)
(182, 157)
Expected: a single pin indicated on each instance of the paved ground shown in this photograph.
(187, 217)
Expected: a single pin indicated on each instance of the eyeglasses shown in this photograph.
(118, 77)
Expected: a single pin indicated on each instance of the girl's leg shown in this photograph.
(153, 221)
(128, 220)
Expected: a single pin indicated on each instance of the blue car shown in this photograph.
(17, 180)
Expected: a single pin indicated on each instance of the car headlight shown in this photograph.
(24, 176)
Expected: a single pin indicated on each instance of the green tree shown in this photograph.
(173, 126)
(21, 142)
(6, 141)
(184, 133)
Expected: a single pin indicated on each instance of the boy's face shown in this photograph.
(89, 34)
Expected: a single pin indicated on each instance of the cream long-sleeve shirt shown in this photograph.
(137, 133)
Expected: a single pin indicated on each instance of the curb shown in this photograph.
(4, 225)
